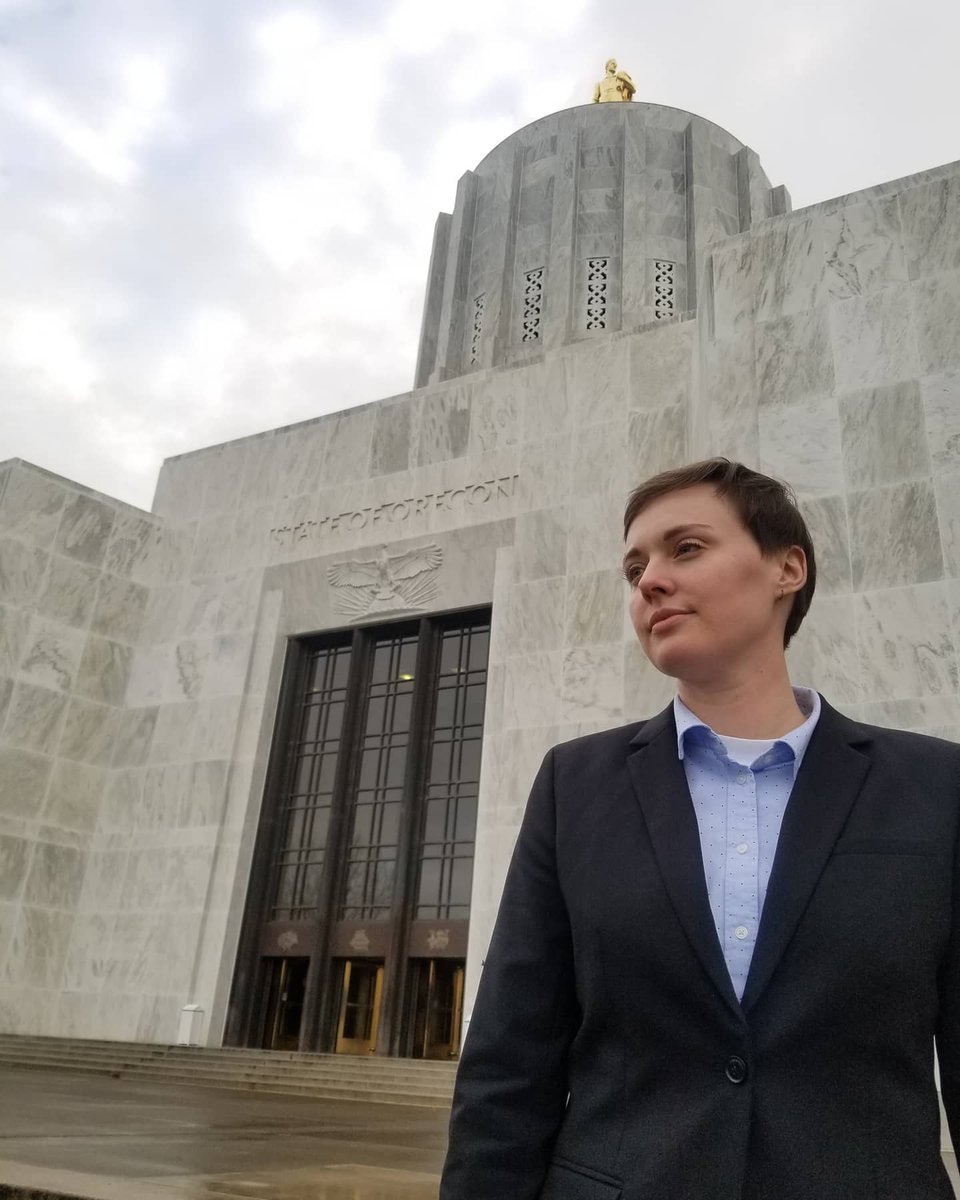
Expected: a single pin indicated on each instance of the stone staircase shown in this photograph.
(328, 1076)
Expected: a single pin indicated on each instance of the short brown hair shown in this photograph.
(766, 507)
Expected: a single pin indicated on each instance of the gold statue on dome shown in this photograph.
(615, 85)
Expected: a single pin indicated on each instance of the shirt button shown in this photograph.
(736, 1070)
(741, 932)
(742, 848)
(742, 777)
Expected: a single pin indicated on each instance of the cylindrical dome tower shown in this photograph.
(587, 220)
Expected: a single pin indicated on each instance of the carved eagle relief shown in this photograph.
(387, 583)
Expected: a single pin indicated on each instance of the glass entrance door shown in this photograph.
(438, 1008)
(284, 983)
(359, 1007)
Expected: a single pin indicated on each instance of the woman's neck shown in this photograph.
(763, 706)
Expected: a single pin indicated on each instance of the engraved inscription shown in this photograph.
(287, 940)
(360, 942)
(414, 509)
(438, 939)
(386, 583)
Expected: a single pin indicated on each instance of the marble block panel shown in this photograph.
(179, 491)
(214, 547)
(936, 305)
(531, 690)
(543, 469)
(52, 654)
(863, 247)
(6, 691)
(38, 948)
(733, 272)
(592, 683)
(884, 439)
(824, 652)
(533, 618)
(74, 796)
(23, 781)
(496, 417)
(89, 732)
(873, 338)
(122, 806)
(223, 477)
(789, 267)
(228, 664)
(646, 691)
(104, 670)
(941, 405)
(34, 718)
(173, 735)
(69, 592)
(595, 536)
(907, 642)
(920, 714)
(14, 862)
(826, 518)
(14, 631)
(22, 569)
(200, 609)
(347, 455)
(161, 615)
(134, 733)
(31, 505)
(931, 220)
(657, 441)
(540, 541)
(794, 358)
(894, 536)
(547, 409)
(56, 877)
(395, 430)
(85, 965)
(144, 550)
(661, 366)
(602, 459)
(119, 609)
(445, 425)
(103, 881)
(947, 488)
(203, 798)
(597, 382)
(215, 726)
(85, 528)
(594, 609)
(800, 443)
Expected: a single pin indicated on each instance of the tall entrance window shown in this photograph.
(355, 929)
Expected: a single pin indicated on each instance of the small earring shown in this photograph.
(780, 597)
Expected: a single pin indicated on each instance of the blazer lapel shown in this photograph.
(660, 783)
(830, 778)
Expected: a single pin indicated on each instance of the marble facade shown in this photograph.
(141, 653)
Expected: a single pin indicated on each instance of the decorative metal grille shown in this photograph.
(532, 304)
(378, 799)
(663, 289)
(306, 806)
(453, 774)
(477, 329)
(597, 270)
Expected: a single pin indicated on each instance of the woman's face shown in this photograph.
(703, 598)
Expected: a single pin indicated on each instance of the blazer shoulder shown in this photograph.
(608, 744)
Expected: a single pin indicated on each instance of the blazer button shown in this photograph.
(736, 1069)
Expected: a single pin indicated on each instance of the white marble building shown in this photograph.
(618, 290)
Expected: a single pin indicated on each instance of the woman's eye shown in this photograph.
(632, 574)
(686, 547)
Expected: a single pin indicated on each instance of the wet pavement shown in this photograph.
(98, 1138)
(120, 1139)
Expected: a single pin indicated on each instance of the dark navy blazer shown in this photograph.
(608, 1056)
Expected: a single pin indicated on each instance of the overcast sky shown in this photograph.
(216, 215)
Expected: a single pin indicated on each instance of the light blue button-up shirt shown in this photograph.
(739, 811)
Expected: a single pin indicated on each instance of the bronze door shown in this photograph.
(438, 1008)
(284, 983)
(360, 1007)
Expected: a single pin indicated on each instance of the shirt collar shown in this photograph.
(796, 741)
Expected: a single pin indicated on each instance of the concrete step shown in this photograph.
(335, 1076)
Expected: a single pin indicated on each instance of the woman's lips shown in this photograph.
(661, 622)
